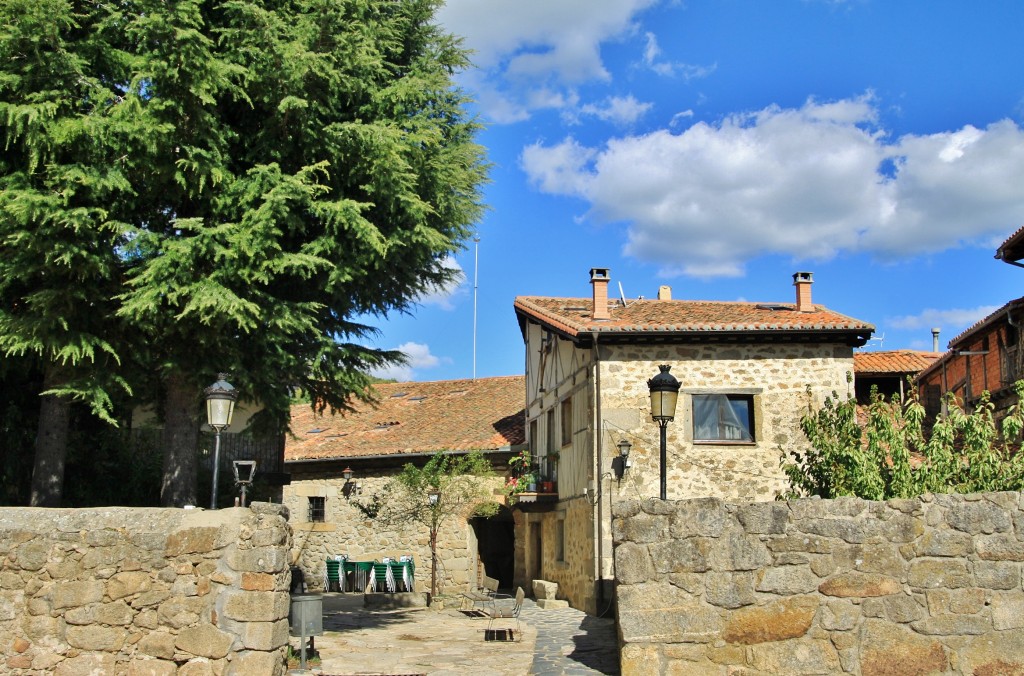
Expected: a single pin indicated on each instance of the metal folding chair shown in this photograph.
(502, 612)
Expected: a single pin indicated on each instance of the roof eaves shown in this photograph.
(986, 322)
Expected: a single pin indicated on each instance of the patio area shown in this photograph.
(358, 640)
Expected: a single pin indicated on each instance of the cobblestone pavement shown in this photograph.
(571, 643)
(449, 642)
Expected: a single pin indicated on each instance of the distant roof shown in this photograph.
(1014, 308)
(1012, 249)
(692, 320)
(892, 361)
(486, 414)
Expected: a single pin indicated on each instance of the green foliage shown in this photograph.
(225, 185)
(892, 456)
(458, 481)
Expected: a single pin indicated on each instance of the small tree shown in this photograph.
(446, 486)
(893, 456)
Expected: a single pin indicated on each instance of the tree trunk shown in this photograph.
(51, 444)
(180, 441)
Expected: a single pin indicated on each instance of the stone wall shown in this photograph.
(144, 591)
(783, 380)
(570, 562)
(928, 585)
(347, 529)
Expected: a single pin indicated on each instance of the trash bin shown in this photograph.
(306, 615)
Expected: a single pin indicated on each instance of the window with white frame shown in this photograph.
(723, 417)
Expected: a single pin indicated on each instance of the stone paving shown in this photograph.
(554, 642)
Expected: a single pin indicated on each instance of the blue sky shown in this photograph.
(720, 146)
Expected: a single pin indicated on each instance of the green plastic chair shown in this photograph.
(332, 578)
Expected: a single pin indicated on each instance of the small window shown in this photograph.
(567, 421)
(723, 417)
(560, 540)
(317, 508)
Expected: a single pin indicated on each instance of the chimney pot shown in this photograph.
(599, 278)
(935, 339)
(664, 292)
(802, 281)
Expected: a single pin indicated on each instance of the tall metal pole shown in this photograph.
(216, 465)
(476, 273)
(663, 424)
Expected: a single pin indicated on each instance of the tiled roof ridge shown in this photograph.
(985, 320)
(819, 319)
(449, 380)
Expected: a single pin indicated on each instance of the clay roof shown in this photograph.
(688, 318)
(1014, 308)
(485, 414)
(1013, 248)
(893, 361)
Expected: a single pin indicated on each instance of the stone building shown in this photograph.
(748, 371)
(407, 423)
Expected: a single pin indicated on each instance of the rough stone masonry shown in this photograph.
(930, 585)
(144, 591)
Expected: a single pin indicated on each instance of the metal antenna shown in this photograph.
(476, 273)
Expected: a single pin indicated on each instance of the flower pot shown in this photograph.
(547, 487)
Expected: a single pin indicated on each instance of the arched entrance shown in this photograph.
(495, 538)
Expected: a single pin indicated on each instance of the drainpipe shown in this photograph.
(599, 456)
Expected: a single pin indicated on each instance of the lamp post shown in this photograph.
(245, 471)
(220, 404)
(664, 392)
(434, 497)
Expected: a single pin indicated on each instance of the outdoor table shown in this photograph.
(360, 575)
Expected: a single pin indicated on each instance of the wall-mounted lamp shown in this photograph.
(433, 496)
(622, 462)
(350, 488)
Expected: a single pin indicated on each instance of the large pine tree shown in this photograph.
(291, 166)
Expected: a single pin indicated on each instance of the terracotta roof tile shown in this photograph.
(893, 361)
(573, 316)
(981, 323)
(1013, 248)
(422, 417)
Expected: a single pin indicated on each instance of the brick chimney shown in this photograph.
(664, 292)
(599, 279)
(802, 281)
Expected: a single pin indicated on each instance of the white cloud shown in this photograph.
(524, 46)
(418, 357)
(652, 60)
(441, 296)
(807, 182)
(951, 321)
(620, 110)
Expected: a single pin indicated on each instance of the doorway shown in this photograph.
(495, 537)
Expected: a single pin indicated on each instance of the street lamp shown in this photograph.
(244, 471)
(434, 497)
(220, 404)
(664, 393)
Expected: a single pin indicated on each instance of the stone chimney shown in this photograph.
(802, 281)
(599, 279)
(935, 339)
(664, 292)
